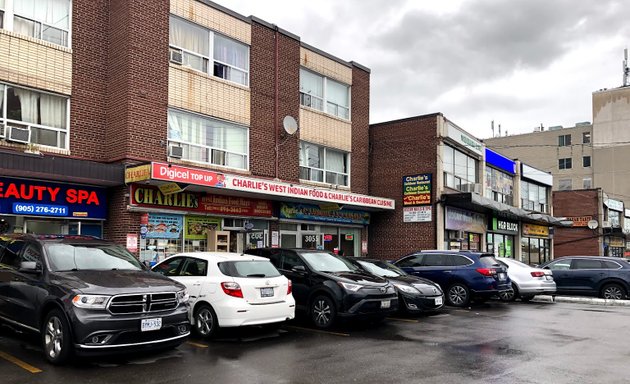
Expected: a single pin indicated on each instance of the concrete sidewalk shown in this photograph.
(583, 300)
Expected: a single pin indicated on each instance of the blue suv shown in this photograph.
(462, 275)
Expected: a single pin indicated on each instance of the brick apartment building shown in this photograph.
(452, 192)
(162, 124)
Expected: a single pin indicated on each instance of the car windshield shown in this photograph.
(381, 268)
(489, 261)
(78, 257)
(248, 268)
(327, 262)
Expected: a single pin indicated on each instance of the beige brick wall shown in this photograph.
(197, 92)
(319, 128)
(325, 66)
(211, 18)
(35, 63)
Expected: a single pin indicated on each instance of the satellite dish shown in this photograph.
(592, 224)
(290, 125)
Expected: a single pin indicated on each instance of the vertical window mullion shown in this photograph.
(210, 70)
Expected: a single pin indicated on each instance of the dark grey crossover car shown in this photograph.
(86, 295)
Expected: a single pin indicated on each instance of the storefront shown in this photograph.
(501, 236)
(326, 226)
(464, 230)
(45, 207)
(535, 244)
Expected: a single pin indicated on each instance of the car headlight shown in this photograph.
(407, 288)
(182, 297)
(350, 287)
(90, 301)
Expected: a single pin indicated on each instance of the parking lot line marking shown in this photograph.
(19, 363)
(199, 345)
(405, 320)
(316, 331)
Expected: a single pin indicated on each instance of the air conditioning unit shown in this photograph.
(606, 224)
(472, 188)
(2, 130)
(176, 56)
(175, 152)
(18, 134)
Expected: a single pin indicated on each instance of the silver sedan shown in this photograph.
(526, 281)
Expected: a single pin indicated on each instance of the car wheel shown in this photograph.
(206, 322)
(509, 295)
(323, 312)
(613, 291)
(458, 295)
(56, 338)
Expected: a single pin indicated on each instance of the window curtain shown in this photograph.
(335, 161)
(26, 27)
(231, 52)
(311, 83)
(53, 111)
(51, 12)
(28, 104)
(337, 93)
(189, 36)
(2, 101)
(174, 128)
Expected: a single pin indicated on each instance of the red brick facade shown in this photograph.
(578, 240)
(397, 149)
(360, 130)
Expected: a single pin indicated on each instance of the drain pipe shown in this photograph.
(276, 98)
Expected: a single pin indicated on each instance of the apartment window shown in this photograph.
(586, 161)
(460, 170)
(47, 20)
(564, 140)
(323, 164)
(499, 186)
(1, 14)
(587, 183)
(207, 140)
(586, 137)
(614, 218)
(565, 184)
(41, 117)
(324, 94)
(209, 52)
(534, 196)
(565, 163)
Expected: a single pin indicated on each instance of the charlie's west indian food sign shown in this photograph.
(43, 198)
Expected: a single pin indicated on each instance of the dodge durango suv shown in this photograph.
(463, 275)
(86, 295)
(327, 286)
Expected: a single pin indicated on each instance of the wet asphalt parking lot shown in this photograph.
(493, 342)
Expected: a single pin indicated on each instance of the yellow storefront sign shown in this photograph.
(535, 230)
(139, 173)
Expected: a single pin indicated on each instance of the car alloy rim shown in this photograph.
(612, 293)
(204, 321)
(54, 337)
(321, 312)
(457, 294)
(506, 295)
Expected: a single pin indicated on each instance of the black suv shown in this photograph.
(463, 275)
(86, 295)
(327, 286)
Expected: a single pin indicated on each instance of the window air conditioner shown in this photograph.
(176, 56)
(175, 152)
(2, 130)
(18, 134)
(605, 224)
(472, 187)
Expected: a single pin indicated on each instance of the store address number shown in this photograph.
(310, 238)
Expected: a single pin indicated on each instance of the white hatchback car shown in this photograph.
(526, 281)
(230, 289)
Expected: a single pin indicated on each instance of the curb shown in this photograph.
(582, 300)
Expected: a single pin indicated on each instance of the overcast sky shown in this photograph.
(517, 62)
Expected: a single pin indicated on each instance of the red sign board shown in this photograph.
(328, 237)
(148, 196)
(178, 174)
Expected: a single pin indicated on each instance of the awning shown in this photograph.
(477, 203)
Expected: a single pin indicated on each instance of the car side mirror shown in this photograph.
(299, 269)
(30, 267)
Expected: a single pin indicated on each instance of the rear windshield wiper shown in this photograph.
(257, 275)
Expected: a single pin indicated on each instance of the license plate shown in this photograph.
(501, 276)
(150, 324)
(385, 303)
(266, 292)
(438, 301)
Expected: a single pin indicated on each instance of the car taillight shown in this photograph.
(487, 271)
(538, 274)
(290, 288)
(232, 289)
